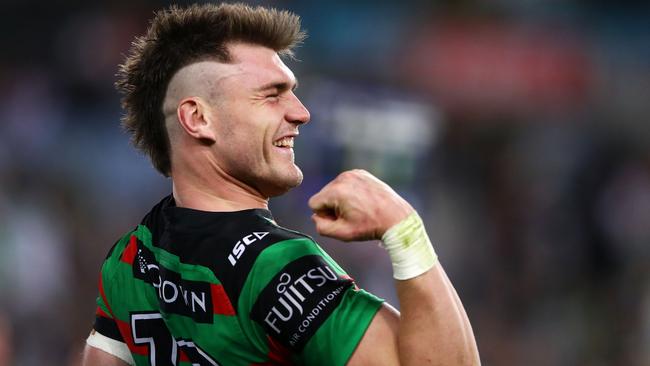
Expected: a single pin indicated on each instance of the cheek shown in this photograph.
(250, 144)
(249, 133)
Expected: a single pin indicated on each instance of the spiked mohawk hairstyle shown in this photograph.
(177, 37)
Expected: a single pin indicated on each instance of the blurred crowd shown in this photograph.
(520, 130)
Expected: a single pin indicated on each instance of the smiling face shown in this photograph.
(254, 116)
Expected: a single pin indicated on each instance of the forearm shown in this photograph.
(433, 327)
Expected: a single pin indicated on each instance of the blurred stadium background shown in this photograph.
(520, 130)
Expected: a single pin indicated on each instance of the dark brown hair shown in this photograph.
(177, 37)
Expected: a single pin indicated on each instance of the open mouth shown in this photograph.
(285, 142)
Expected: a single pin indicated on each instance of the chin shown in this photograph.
(283, 185)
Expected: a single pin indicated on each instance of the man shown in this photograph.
(208, 277)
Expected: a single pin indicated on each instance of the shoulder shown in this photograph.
(117, 251)
(250, 244)
(293, 288)
(125, 248)
(251, 241)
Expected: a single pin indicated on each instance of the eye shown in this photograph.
(273, 97)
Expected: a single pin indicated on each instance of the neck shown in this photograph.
(212, 189)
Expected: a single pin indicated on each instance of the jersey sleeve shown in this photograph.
(302, 304)
(105, 322)
(106, 334)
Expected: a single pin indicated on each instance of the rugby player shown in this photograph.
(208, 277)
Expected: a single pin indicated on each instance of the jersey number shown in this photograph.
(150, 329)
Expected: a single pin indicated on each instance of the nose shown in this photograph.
(297, 112)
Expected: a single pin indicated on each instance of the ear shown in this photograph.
(195, 118)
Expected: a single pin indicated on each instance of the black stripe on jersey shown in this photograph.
(248, 247)
(155, 220)
(298, 300)
(226, 242)
(175, 294)
(108, 328)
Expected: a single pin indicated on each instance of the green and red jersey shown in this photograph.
(190, 287)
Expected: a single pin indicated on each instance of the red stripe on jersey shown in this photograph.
(125, 331)
(220, 301)
(347, 277)
(130, 251)
(278, 353)
(183, 357)
(103, 295)
(100, 312)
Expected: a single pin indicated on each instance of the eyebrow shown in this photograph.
(281, 86)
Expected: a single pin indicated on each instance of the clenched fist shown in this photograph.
(357, 206)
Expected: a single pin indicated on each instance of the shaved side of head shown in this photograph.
(199, 80)
(178, 37)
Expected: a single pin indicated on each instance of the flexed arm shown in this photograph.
(433, 328)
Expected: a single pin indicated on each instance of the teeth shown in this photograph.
(284, 142)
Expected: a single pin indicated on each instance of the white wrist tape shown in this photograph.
(409, 248)
(111, 346)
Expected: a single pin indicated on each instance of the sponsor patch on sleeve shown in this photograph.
(297, 301)
(175, 294)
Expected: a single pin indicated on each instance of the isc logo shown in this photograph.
(241, 245)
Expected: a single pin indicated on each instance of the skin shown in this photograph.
(433, 328)
(222, 135)
(223, 120)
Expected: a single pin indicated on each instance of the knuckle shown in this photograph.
(349, 176)
(356, 173)
(346, 174)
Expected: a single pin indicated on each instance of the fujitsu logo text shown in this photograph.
(293, 292)
(241, 245)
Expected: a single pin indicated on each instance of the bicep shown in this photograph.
(96, 357)
(378, 346)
